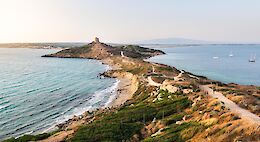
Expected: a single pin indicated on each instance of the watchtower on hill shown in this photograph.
(96, 40)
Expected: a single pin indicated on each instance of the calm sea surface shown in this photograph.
(36, 93)
(214, 62)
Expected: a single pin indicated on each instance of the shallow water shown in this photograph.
(214, 62)
(36, 93)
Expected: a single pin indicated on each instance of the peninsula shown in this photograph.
(156, 102)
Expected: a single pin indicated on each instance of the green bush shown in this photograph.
(178, 133)
(112, 131)
(134, 114)
(173, 118)
(166, 68)
(129, 120)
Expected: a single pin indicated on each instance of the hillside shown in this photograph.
(97, 50)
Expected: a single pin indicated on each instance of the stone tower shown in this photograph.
(96, 40)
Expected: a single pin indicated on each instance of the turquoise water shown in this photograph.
(214, 62)
(37, 93)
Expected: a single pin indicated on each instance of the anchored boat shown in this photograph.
(252, 58)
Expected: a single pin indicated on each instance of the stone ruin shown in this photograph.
(96, 40)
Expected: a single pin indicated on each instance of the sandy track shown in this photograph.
(243, 113)
(152, 83)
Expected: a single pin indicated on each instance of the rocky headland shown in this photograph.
(156, 102)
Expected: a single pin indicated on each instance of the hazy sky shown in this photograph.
(129, 20)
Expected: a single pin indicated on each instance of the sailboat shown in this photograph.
(252, 58)
(231, 54)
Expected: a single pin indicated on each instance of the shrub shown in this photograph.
(173, 118)
(178, 133)
(113, 131)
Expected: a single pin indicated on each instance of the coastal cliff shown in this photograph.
(155, 102)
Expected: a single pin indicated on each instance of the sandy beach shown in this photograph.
(123, 93)
(128, 84)
(125, 90)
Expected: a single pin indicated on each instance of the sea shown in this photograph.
(225, 63)
(38, 93)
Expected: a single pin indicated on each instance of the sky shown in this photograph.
(126, 21)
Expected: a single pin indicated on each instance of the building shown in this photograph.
(96, 40)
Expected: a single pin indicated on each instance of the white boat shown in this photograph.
(252, 58)
(231, 54)
(215, 57)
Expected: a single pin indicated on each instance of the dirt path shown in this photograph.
(178, 77)
(243, 113)
(152, 83)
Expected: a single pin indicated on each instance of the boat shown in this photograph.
(215, 57)
(252, 59)
(231, 54)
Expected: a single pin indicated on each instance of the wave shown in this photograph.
(108, 68)
(114, 94)
(97, 96)
(67, 87)
(56, 89)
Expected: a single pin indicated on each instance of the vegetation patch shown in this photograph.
(106, 131)
(178, 133)
(136, 70)
(173, 118)
(27, 138)
(165, 68)
(129, 120)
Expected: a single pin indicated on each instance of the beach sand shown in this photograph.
(128, 84)
(124, 92)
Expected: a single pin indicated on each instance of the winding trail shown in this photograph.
(152, 83)
(178, 77)
(243, 113)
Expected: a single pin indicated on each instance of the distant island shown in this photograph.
(156, 102)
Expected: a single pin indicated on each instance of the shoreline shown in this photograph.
(129, 82)
(124, 90)
(127, 85)
(120, 96)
